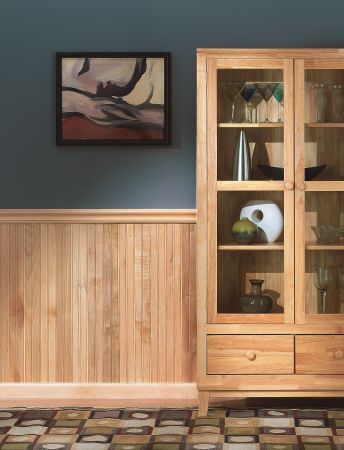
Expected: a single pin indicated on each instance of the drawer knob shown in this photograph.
(338, 354)
(251, 355)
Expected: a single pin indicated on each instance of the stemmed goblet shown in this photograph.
(233, 91)
(278, 93)
(322, 279)
(255, 100)
(247, 92)
(266, 90)
(320, 101)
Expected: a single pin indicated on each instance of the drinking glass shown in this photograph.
(256, 99)
(322, 279)
(266, 90)
(337, 102)
(320, 101)
(247, 92)
(233, 91)
(278, 93)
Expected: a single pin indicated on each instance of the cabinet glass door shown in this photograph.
(250, 174)
(319, 177)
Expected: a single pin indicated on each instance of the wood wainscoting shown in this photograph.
(100, 302)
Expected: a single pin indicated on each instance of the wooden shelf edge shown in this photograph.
(325, 125)
(233, 246)
(250, 125)
(314, 245)
(251, 185)
(316, 318)
(244, 319)
(324, 186)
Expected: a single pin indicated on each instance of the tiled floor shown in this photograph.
(171, 429)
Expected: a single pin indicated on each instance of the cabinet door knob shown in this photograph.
(338, 354)
(251, 355)
(300, 186)
(289, 185)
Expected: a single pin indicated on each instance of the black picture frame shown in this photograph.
(152, 121)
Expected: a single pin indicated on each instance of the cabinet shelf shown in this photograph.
(325, 125)
(251, 185)
(326, 186)
(251, 125)
(315, 245)
(233, 246)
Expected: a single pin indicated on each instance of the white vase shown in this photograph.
(268, 218)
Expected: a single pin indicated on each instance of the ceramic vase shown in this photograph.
(256, 302)
(268, 218)
(244, 231)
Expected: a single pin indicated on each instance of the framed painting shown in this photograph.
(113, 98)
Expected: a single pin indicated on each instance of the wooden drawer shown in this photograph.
(250, 354)
(319, 354)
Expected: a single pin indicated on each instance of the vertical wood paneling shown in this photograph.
(129, 318)
(91, 304)
(99, 331)
(4, 299)
(97, 303)
(115, 307)
(44, 306)
(162, 299)
(106, 282)
(146, 303)
(53, 352)
(122, 259)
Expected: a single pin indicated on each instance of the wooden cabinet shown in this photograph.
(287, 351)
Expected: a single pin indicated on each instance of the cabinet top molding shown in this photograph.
(274, 52)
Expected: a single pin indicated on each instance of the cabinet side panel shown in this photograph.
(202, 239)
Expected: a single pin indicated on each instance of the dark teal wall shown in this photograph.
(34, 173)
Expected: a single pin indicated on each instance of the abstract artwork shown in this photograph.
(113, 98)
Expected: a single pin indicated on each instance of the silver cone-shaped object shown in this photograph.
(242, 159)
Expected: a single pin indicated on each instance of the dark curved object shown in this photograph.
(112, 89)
(277, 173)
(256, 305)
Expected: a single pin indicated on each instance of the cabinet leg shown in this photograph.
(203, 403)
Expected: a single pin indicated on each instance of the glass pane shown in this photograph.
(250, 102)
(250, 146)
(324, 222)
(236, 269)
(238, 264)
(324, 118)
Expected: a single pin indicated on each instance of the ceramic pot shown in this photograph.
(244, 231)
(268, 218)
(256, 302)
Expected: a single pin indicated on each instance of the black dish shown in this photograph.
(277, 173)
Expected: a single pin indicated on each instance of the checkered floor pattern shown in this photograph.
(171, 429)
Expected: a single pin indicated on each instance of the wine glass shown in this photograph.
(320, 101)
(266, 90)
(322, 279)
(233, 91)
(255, 100)
(247, 92)
(278, 93)
(337, 102)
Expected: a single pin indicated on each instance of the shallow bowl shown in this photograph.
(277, 173)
